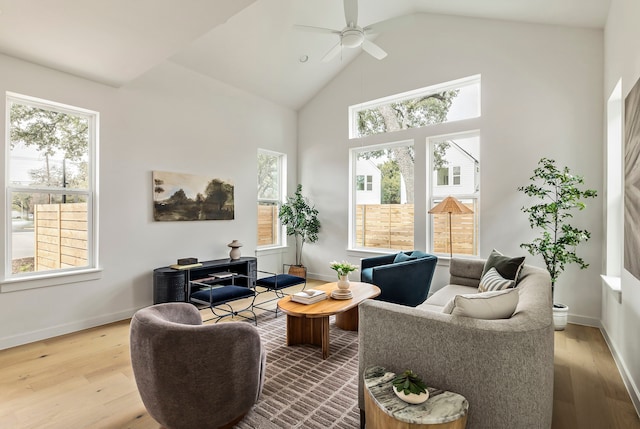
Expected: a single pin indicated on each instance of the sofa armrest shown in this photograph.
(503, 367)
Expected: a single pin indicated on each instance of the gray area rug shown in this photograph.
(301, 389)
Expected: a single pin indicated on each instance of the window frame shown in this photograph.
(416, 93)
(278, 201)
(32, 279)
(431, 198)
(353, 190)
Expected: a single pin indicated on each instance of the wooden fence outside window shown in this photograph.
(390, 226)
(61, 236)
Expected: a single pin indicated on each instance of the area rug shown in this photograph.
(301, 389)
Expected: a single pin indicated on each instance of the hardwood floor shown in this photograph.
(84, 380)
(588, 389)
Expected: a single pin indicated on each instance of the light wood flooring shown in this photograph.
(84, 380)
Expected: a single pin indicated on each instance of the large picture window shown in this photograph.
(382, 214)
(459, 156)
(51, 152)
(383, 210)
(270, 195)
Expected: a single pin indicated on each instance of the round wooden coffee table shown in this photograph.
(309, 323)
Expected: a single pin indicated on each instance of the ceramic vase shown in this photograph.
(343, 282)
(235, 249)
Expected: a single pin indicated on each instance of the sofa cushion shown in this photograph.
(402, 257)
(508, 267)
(280, 281)
(417, 254)
(442, 296)
(487, 305)
(492, 280)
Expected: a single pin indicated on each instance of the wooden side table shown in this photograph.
(384, 410)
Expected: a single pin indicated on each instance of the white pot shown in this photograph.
(411, 398)
(343, 282)
(560, 313)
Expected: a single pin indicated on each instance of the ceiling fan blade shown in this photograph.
(389, 24)
(316, 29)
(373, 49)
(332, 53)
(351, 12)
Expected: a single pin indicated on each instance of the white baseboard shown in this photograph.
(325, 278)
(632, 388)
(67, 328)
(584, 321)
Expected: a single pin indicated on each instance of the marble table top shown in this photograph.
(441, 407)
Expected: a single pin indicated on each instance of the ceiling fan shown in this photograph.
(351, 36)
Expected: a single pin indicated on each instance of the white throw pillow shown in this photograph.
(492, 305)
(492, 280)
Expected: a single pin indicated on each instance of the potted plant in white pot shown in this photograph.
(409, 387)
(301, 220)
(558, 194)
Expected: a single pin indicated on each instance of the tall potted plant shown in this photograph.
(301, 220)
(558, 194)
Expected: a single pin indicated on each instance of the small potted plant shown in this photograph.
(343, 269)
(409, 387)
(300, 219)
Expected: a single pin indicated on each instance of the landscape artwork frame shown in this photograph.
(632, 181)
(189, 197)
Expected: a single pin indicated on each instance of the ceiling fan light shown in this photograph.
(352, 38)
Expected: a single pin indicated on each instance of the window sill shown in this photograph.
(271, 250)
(615, 286)
(35, 282)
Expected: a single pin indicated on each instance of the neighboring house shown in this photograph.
(459, 176)
(369, 184)
(368, 187)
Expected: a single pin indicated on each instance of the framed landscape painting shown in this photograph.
(632, 182)
(178, 197)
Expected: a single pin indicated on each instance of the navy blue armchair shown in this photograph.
(403, 278)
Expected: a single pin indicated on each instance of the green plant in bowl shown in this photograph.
(409, 387)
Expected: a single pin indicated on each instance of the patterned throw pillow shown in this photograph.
(492, 280)
(506, 266)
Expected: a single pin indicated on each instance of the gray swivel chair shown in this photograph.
(191, 375)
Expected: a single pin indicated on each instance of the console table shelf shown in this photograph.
(170, 285)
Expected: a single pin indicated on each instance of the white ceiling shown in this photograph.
(250, 44)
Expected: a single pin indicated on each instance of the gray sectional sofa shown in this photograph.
(503, 367)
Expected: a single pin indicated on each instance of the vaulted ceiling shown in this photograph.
(250, 44)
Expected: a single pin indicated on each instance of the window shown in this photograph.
(447, 102)
(383, 218)
(364, 183)
(461, 152)
(456, 175)
(271, 168)
(51, 191)
(443, 176)
(614, 195)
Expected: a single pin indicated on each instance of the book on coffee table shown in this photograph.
(309, 296)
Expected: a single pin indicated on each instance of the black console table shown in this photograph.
(170, 285)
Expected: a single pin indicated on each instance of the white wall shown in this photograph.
(170, 120)
(620, 320)
(541, 97)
